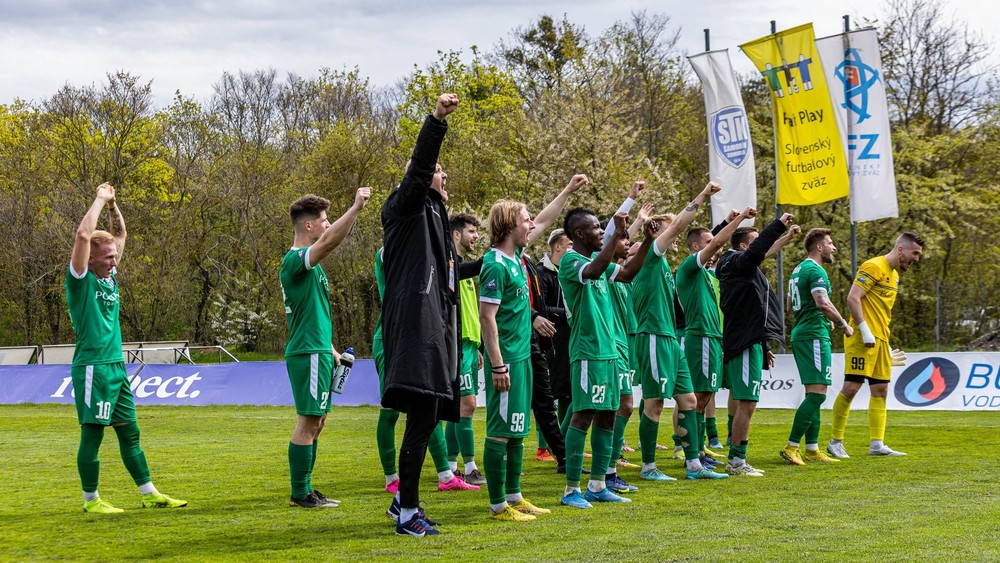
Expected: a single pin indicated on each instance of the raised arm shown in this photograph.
(719, 240)
(117, 224)
(633, 195)
(640, 219)
(683, 219)
(546, 216)
(632, 266)
(339, 229)
(596, 268)
(783, 240)
(423, 164)
(81, 246)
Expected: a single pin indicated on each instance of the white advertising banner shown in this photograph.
(730, 154)
(853, 71)
(959, 381)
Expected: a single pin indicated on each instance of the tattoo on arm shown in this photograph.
(116, 223)
(692, 207)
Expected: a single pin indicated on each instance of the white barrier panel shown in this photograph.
(966, 381)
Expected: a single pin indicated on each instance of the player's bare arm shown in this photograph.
(81, 246)
(632, 266)
(546, 216)
(491, 341)
(339, 229)
(830, 311)
(596, 268)
(684, 218)
(792, 232)
(719, 240)
(857, 313)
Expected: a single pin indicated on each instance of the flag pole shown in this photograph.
(854, 226)
(777, 207)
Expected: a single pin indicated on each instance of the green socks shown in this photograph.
(618, 439)
(466, 439)
(710, 428)
(451, 439)
(576, 439)
(700, 417)
(299, 462)
(132, 456)
(385, 438)
(688, 420)
(805, 415)
(87, 462)
(600, 444)
(648, 429)
(438, 449)
(542, 444)
(495, 466)
(515, 463)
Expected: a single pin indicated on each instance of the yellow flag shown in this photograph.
(811, 165)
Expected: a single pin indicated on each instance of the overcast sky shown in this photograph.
(186, 44)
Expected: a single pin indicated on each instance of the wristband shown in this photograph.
(866, 333)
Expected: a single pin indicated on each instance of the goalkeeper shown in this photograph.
(867, 356)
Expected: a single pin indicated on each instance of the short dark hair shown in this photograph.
(574, 219)
(694, 235)
(911, 238)
(307, 207)
(814, 237)
(741, 235)
(458, 222)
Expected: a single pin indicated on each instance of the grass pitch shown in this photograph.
(942, 502)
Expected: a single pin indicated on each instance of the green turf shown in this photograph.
(942, 502)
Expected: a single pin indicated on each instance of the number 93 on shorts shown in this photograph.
(508, 412)
(594, 385)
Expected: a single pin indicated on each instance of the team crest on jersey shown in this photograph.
(491, 285)
(513, 270)
(302, 252)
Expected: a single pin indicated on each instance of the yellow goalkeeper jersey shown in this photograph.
(881, 282)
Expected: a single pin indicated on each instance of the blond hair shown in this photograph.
(504, 216)
(99, 237)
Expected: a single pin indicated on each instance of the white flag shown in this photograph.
(730, 154)
(853, 70)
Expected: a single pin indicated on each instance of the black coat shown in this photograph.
(420, 324)
(748, 303)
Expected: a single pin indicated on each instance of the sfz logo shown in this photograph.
(927, 382)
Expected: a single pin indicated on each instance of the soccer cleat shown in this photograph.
(742, 470)
(416, 527)
(714, 444)
(458, 473)
(308, 501)
(525, 507)
(543, 455)
(711, 453)
(604, 495)
(704, 473)
(456, 484)
(100, 506)
(791, 455)
(655, 474)
(392, 487)
(576, 500)
(816, 455)
(761, 471)
(885, 450)
(328, 502)
(475, 477)
(709, 461)
(678, 452)
(836, 449)
(160, 500)
(393, 513)
(627, 449)
(618, 485)
(622, 462)
(508, 514)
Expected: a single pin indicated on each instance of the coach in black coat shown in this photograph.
(419, 311)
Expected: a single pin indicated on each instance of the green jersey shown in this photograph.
(653, 296)
(93, 308)
(621, 300)
(504, 282)
(470, 311)
(810, 323)
(698, 298)
(307, 305)
(589, 310)
(380, 284)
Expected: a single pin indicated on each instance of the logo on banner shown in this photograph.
(732, 135)
(858, 78)
(927, 382)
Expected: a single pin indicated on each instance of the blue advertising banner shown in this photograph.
(242, 383)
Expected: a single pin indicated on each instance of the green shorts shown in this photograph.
(744, 373)
(595, 385)
(623, 370)
(468, 375)
(378, 354)
(310, 376)
(663, 372)
(704, 360)
(102, 394)
(508, 414)
(813, 358)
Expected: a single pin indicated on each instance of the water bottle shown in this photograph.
(342, 371)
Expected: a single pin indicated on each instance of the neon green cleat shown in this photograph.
(160, 500)
(100, 506)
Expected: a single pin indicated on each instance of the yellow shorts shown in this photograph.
(868, 362)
